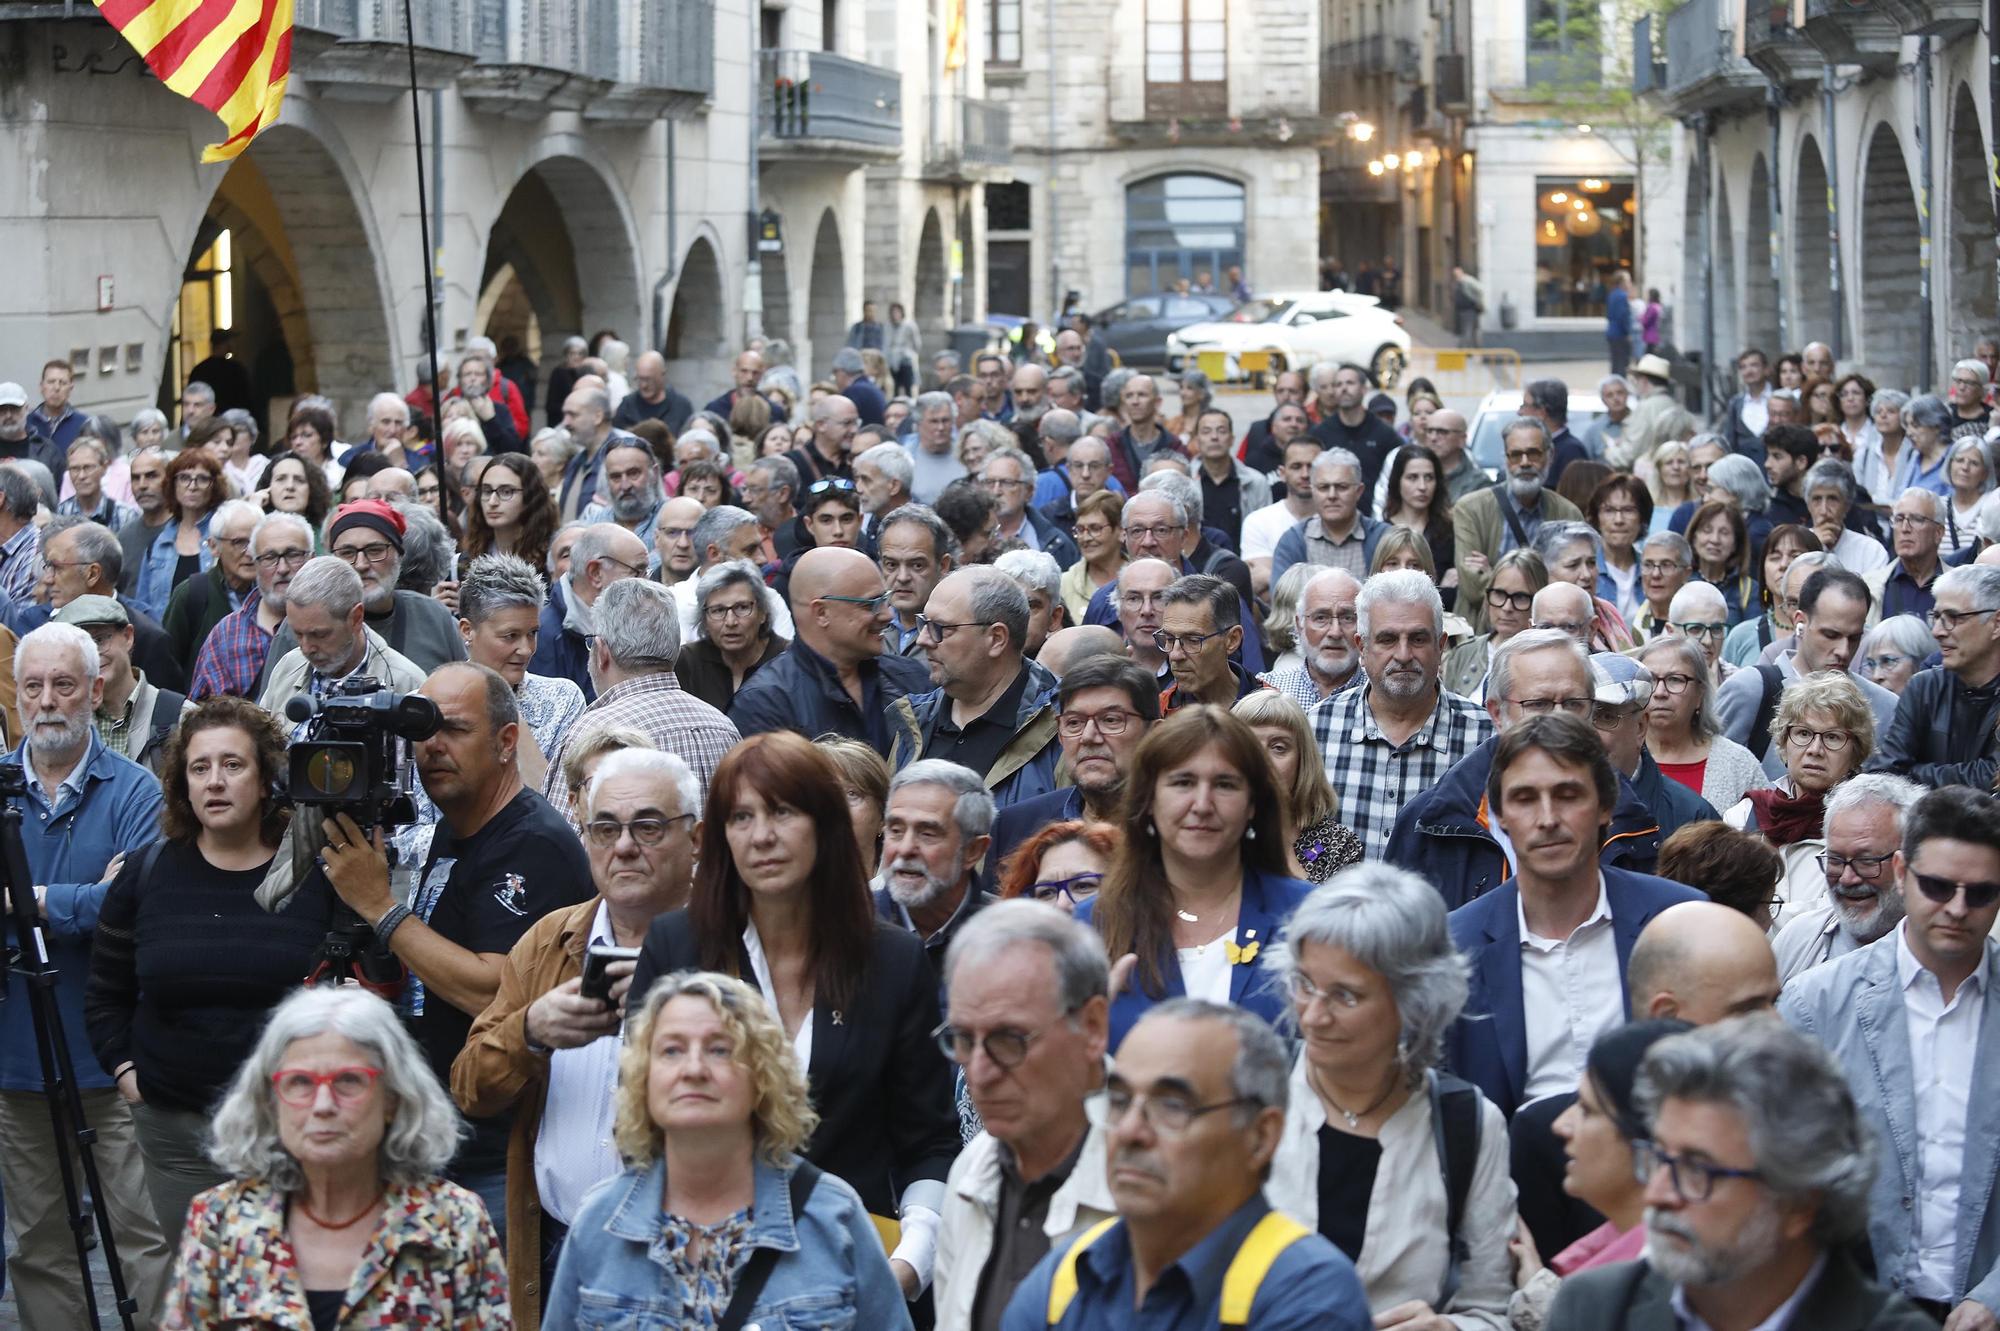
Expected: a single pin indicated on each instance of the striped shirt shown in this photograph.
(233, 655)
(1373, 778)
(658, 707)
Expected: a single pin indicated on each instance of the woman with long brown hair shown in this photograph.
(780, 901)
(194, 489)
(511, 513)
(1201, 882)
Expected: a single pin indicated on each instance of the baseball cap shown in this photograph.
(13, 395)
(1619, 681)
(87, 610)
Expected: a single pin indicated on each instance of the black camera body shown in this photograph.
(351, 758)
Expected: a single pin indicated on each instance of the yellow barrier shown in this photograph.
(1214, 364)
(1467, 371)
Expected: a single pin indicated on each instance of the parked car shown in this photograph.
(1137, 329)
(1502, 405)
(1299, 329)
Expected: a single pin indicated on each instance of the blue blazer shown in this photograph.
(1488, 1044)
(1268, 902)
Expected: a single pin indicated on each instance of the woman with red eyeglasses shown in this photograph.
(335, 1217)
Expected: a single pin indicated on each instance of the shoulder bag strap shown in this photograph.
(1513, 518)
(1767, 707)
(1062, 1287)
(1253, 1261)
(750, 1280)
(1455, 1130)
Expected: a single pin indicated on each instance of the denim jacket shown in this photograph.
(156, 571)
(831, 1272)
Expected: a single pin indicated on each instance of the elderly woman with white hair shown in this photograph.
(1968, 467)
(1572, 552)
(1681, 729)
(1927, 426)
(1894, 650)
(1372, 1142)
(336, 1131)
(1700, 615)
(735, 633)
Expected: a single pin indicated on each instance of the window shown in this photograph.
(1583, 234)
(1003, 32)
(1187, 59)
(1007, 206)
(1563, 42)
(1180, 226)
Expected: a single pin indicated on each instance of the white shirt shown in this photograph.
(1205, 969)
(1263, 528)
(1571, 993)
(1687, 1319)
(573, 1147)
(1756, 411)
(1944, 1041)
(1858, 553)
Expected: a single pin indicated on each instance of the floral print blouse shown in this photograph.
(433, 1264)
(707, 1277)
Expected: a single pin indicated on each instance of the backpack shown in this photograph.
(1244, 1276)
(1455, 1126)
(1767, 708)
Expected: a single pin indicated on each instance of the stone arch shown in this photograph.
(1970, 296)
(826, 299)
(1891, 316)
(933, 278)
(1688, 321)
(310, 256)
(1812, 249)
(1728, 337)
(1760, 292)
(696, 326)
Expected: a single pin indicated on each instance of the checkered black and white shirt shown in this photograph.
(1373, 778)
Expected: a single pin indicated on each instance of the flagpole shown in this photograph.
(430, 265)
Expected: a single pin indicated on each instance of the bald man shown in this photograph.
(834, 678)
(652, 398)
(1701, 962)
(1073, 644)
(1817, 360)
(1564, 606)
(392, 483)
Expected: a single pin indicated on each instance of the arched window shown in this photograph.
(1180, 226)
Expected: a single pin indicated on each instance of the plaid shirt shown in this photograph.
(1375, 779)
(21, 565)
(657, 706)
(233, 656)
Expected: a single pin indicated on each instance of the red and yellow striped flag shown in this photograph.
(231, 56)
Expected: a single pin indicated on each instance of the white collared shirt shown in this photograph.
(760, 969)
(573, 1147)
(1756, 411)
(1687, 1319)
(1571, 993)
(1944, 1040)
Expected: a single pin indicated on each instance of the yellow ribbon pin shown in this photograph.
(1241, 956)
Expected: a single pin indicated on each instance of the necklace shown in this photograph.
(373, 1202)
(1353, 1118)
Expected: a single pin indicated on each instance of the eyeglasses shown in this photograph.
(1533, 457)
(506, 494)
(939, 631)
(1674, 685)
(1949, 620)
(1499, 600)
(1693, 1180)
(871, 604)
(1544, 706)
(1091, 531)
(718, 613)
(1304, 993)
(375, 552)
(1707, 632)
(1078, 888)
(1660, 568)
(200, 480)
(830, 483)
(1978, 896)
(1905, 521)
(1803, 736)
(1159, 533)
(299, 1087)
(1607, 718)
(1886, 661)
(1574, 628)
(1169, 1115)
(1001, 483)
(605, 832)
(1866, 867)
(1190, 642)
(1617, 511)
(288, 558)
(1005, 1046)
(232, 542)
(1319, 621)
(636, 570)
(1110, 721)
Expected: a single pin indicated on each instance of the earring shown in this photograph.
(1250, 834)
(1150, 829)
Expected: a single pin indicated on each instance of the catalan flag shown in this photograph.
(231, 56)
(954, 36)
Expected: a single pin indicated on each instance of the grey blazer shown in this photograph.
(1854, 1006)
(1631, 1296)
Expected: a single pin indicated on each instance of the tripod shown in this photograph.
(59, 1088)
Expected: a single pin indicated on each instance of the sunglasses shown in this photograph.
(1978, 896)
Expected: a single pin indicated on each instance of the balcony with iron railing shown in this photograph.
(1649, 71)
(815, 106)
(1704, 73)
(970, 139)
(1775, 47)
(1849, 34)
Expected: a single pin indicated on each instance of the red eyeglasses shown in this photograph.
(299, 1087)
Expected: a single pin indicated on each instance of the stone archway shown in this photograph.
(695, 328)
(1969, 294)
(1760, 292)
(303, 274)
(932, 280)
(1812, 250)
(1891, 316)
(826, 299)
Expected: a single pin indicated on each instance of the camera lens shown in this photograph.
(330, 772)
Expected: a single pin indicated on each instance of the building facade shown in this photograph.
(1830, 175)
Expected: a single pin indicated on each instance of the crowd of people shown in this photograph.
(1002, 856)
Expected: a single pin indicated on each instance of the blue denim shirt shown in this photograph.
(831, 1268)
(1311, 1287)
(156, 573)
(115, 807)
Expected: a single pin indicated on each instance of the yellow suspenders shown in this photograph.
(1240, 1283)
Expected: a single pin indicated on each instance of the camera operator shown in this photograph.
(325, 613)
(86, 808)
(501, 859)
(551, 1054)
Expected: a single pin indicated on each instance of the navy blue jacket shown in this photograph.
(559, 652)
(1671, 802)
(1017, 822)
(1055, 541)
(1442, 834)
(869, 404)
(800, 690)
(1488, 1044)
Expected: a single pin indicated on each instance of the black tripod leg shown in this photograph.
(60, 1136)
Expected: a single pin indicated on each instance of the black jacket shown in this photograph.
(800, 690)
(1942, 734)
(703, 673)
(883, 1090)
(1631, 1296)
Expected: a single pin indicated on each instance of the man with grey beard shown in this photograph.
(233, 654)
(1864, 829)
(935, 828)
(1324, 623)
(1489, 523)
(632, 478)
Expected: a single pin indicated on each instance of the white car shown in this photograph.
(1298, 329)
(1503, 405)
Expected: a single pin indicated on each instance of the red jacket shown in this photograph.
(509, 397)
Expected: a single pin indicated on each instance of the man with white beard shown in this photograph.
(935, 828)
(632, 475)
(1757, 1172)
(1325, 621)
(1864, 830)
(1490, 522)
